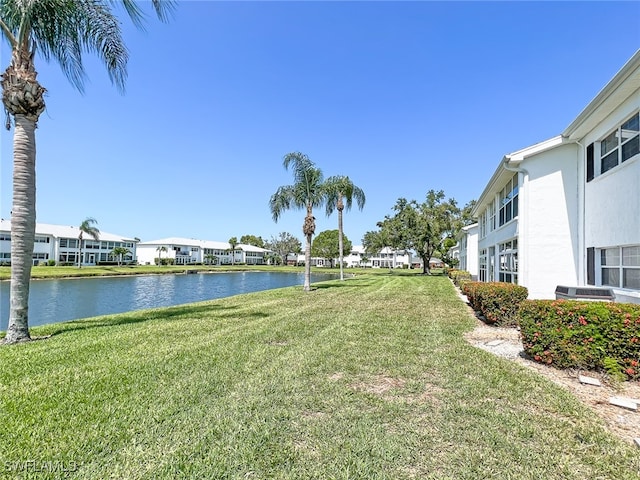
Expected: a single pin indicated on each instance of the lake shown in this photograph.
(60, 300)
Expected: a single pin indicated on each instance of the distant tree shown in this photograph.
(327, 245)
(465, 214)
(462, 219)
(87, 228)
(422, 227)
(160, 250)
(233, 243)
(119, 253)
(283, 245)
(374, 241)
(211, 259)
(340, 194)
(252, 240)
(305, 193)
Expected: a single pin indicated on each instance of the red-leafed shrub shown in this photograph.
(498, 302)
(587, 335)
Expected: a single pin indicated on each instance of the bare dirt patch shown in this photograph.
(379, 385)
(506, 342)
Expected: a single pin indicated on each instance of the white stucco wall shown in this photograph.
(549, 229)
(612, 202)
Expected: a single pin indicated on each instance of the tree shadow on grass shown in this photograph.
(139, 316)
(321, 286)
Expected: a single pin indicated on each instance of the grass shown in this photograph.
(40, 272)
(364, 379)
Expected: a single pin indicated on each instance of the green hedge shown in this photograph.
(458, 276)
(586, 335)
(498, 302)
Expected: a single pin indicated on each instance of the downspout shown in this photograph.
(581, 183)
(523, 273)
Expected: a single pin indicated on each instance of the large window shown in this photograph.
(620, 145)
(620, 267)
(482, 260)
(508, 262)
(68, 243)
(509, 201)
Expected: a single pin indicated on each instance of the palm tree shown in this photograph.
(306, 193)
(233, 243)
(161, 249)
(339, 189)
(211, 259)
(119, 252)
(87, 227)
(62, 31)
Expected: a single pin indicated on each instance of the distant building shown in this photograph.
(60, 243)
(385, 258)
(186, 251)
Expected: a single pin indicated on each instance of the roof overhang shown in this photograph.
(621, 87)
(505, 171)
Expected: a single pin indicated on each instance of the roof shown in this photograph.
(619, 88)
(503, 173)
(192, 242)
(63, 231)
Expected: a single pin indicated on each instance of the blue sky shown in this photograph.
(402, 97)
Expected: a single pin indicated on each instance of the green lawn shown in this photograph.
(364, 379)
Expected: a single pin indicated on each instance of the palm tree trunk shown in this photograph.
(80, 251)
(340, 244)
(308, 229)
(307, 264)
(23, 227)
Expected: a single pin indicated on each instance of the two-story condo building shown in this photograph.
(186, 251)
(385, 258)
(60, 243)
(566, 211)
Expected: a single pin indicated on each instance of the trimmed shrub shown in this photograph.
(498, 302)
(586, 335)
(469, 288)
(458, 276)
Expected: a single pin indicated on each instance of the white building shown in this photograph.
(566, 211)
(385, 258)
(466, 251)
(186, 251)
(60, 243)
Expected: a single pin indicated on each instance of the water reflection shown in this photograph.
(53, 301)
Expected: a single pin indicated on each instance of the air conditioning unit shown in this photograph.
(601, 294)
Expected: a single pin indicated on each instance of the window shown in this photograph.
(620, 145)
(620, 267)
(482, 220)
(68, 243)
(5, 236)
(38, 239)
(508, 262)
(491, 225)
(509, 201)
(482, 263)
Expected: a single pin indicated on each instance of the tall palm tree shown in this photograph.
(338, 189)
(63, 31)
(87, 227)
(233, 243)
(306, 193)
(161, 249)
